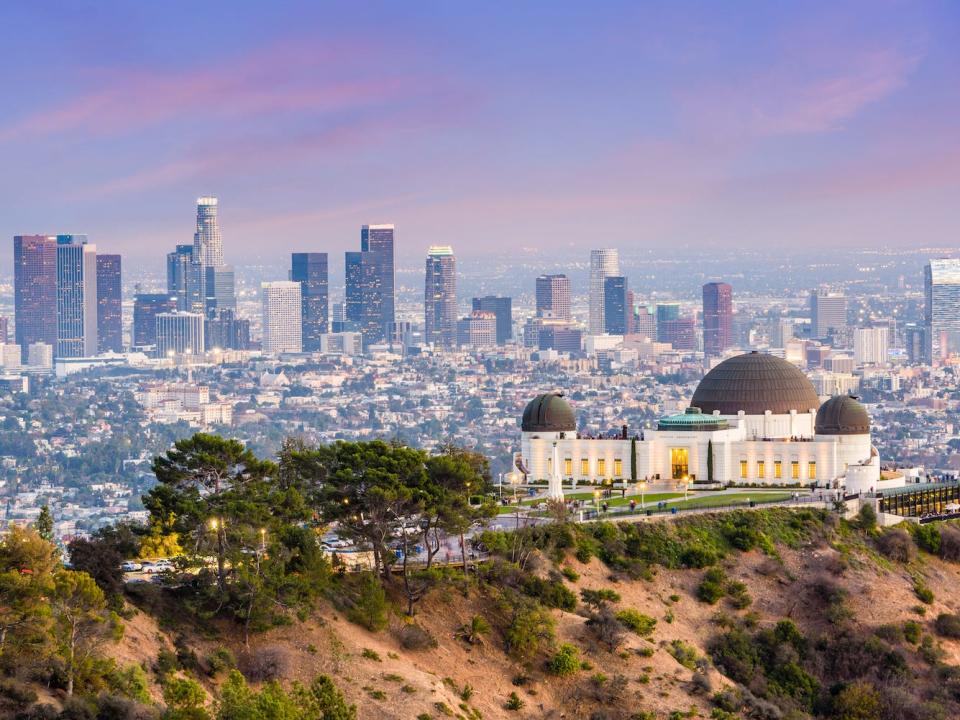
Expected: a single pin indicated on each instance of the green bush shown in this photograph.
(551, 593)
(569, 573)
(697, 556)
(221, 659)
(912, 630)
(924, 594)
(636, 621)
(928, 538)
(867, 518)
(370, 609)
(597, 598)
(684, 654)
(371, 655)
(514, 702)
(739, 595)
(565, 661)
(529, 628)
(713, 586)
(947, 625)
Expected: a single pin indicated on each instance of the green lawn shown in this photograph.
(731, 499)
(615, 500)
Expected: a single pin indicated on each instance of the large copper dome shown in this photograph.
(548, 413)
(755, 383)
(842, 415)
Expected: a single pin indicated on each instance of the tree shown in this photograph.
(633, 459)
(27, 562)
(44, 524)
(709, 460)
(78, 606)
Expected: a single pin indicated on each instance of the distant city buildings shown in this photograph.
(477, 330)
(828, 315)
(109, 304)
(617, 310)
(282, 317)
(553, 297)
(603, 264)
(76, 297)
(146, 308)
(311, 271)
(941, 286)
(502, 309)
(180, 333)
(35, 289)
(370, 282)
(440, 297)
(717, 318)
(871, 346)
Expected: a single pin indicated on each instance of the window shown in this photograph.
(584, 466)
(568, 467)
(761, 469)
(617, 467)
(602, 467)
(679, 462)
(743, 469)
(812, 469)
(795, 470)
(777, 469)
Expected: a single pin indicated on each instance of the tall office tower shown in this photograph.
(560, 337)
(282, 317)
(440, 297)
(225, 331)
(146, 307)
(681, 333)
(35, 289)
(603, 263)
(310, 270)
(109, 304)
(871, 346)
(616, 306)
(941, 285)
(477, 330)
(828, 315)
(183, 279)
(645, 323)
(179, 333)
(207, 243)
(377, 292)
(353, 290)
(631, 312)
(915, 341)
(219, 286)
(666, 313)
(553, 297)
(717, 318)
(76, 297)
(4, 329)
(502, 309)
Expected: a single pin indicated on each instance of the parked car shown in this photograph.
(131, 566)
(157, 567)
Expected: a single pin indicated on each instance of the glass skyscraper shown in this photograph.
(207, 243)
(146, 308)
(717, 317)
(311, 271)
(941, 284)
(369, 298)
(76, 297)
(109, 304)
(35, 290)
(615, 305)
(440, 297)
(603, 263)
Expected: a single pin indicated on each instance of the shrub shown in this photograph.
(597, 598)
(371, 655)
(553, 594)
(896, 545)
(514, 702)
(529, 628)
(636, 621)
(219, 660)
(268, 663)
(473, 631)
(607, 628)
(697, 556)
(684, 654)
(859, 701)
(928, 538)
(867, 518)
(739, 596)
(950, 543)
(912, 630)
(948, 625)
(370, 608)
(415, 637)
(924, 594)
(569, 573)
(565, 661)
(713, 586)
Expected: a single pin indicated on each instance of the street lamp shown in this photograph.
(642, 487)
(596, 500)
(685, 482)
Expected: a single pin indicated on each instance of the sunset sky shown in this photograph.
(488, 126)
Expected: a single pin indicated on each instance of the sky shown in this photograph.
(492, 127)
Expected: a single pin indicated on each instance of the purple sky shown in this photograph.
(483, 125)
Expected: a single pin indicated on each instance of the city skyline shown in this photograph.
(828, 125)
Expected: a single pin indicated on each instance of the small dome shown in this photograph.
(842, 415)
(755, 383)
(548, 413)
(692, 420)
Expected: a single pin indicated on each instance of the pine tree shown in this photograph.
(44, 524)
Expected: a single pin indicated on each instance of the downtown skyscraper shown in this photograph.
(617, 310)
(198, 276)
(76, 297)
(440, 297)
(311, 271)
(109, 304)
(717, 318)
(282, 317)
(502, 309)
(604, 263)
(553, 297)
(35, 290)
(370, 284)
(941, 289)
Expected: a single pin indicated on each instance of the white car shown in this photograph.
(131, 566)
(157, 567)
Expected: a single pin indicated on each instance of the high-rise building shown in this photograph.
(828, 315)
(35, 289)
(915, 341)
(220, 288)
(871, 346)
(603, 264)
(717, 318)
(76, 297)
(207, 243)
(109, 304)
(440, 297)
(502, 309)
(560, 337)
(4, 329)
(477, 330)
(225, 331)
(679, 331)
(146, 307)
(310, 270)
(553, 297)
(616, 307)
(182, 278)
(941, 284)
(369, 298)
(645, 323)
(666, 313)
(282, 317)
(179, 333)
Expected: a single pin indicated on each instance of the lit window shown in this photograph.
(812, 470)
(584, 466)
(795, 470)
(679, 463)
(743, 469)
(761, 469)
(602, 467)
(777, 469)
(618, 467)
(568, 466)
